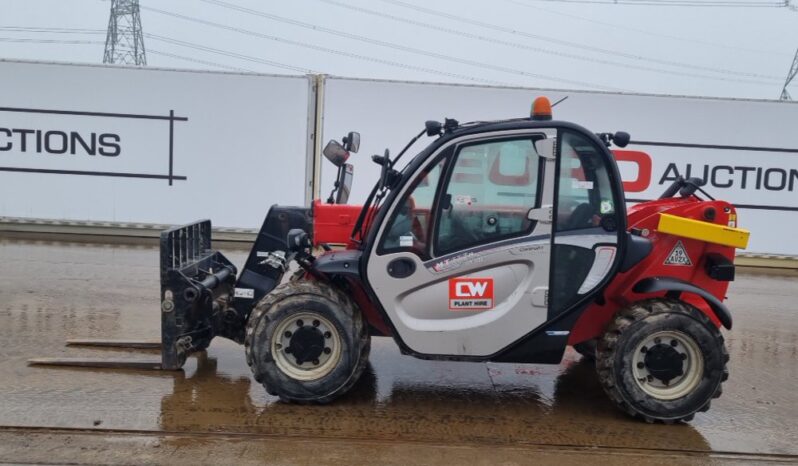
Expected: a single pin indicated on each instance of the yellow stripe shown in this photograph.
(704, 231)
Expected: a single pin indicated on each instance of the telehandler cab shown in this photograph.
(502, 241)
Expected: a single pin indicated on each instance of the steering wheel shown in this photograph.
(580, 217)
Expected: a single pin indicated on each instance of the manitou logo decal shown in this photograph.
(470, 293)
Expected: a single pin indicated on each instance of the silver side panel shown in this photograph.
(419, 305)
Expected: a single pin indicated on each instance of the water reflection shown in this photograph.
(505, 411)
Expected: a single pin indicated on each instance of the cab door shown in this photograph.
(461, 265)
(589, 220)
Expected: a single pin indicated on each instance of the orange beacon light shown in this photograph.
(541, 109)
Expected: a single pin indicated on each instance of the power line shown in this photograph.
(151, 36)
(96, 42)
(394, 46)
(689, 3)
(51, 41)
(709, 3)
(581, 58)
(51, 30)
(335, 51)
(642, 31)
(196, 60)
(155, 37)
(615, 53)
(195, 47)
(225, 53)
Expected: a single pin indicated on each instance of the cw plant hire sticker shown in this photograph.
(467, 294)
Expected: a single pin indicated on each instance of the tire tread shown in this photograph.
(299, 287)
(625, 318)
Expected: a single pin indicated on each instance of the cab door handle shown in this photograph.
(541, 214)
(401, 267)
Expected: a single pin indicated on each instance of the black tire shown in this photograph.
(646, 319)
(330, 304)
(587, 349)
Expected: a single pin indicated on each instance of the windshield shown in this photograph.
(373, 203)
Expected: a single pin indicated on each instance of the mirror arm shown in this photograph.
(331, 199)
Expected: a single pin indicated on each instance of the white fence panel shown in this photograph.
(144, 145)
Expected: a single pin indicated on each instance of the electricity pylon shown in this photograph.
(790, 76)
(124, 44)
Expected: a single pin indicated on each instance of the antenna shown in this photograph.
(124, 44)
(790, 76)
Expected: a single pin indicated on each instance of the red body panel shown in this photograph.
(333, 223)
(369, 310)
(645, 216)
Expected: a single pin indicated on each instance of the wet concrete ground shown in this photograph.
(404, 411)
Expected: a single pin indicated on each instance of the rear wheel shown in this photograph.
(306, 342)
(662, 360)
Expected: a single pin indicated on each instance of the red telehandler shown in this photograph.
(501, 241)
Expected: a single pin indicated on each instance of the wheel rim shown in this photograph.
(668, 365)
(306, 346)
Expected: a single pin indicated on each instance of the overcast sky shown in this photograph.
(731, 51)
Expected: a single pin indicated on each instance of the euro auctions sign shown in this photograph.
(468, 294)
(751, 177)
(82, 143)
(761, 181)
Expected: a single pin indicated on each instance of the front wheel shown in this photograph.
(306, 342)
(662, 360)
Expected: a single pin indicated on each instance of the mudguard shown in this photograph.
(674, 285)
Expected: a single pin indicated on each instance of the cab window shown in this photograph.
(584, 193)
(412, 219)
(489, 192)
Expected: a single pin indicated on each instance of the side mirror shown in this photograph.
(336, 153)
(621, 139)
(352, 142)
(434, 128)
(345, 183)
